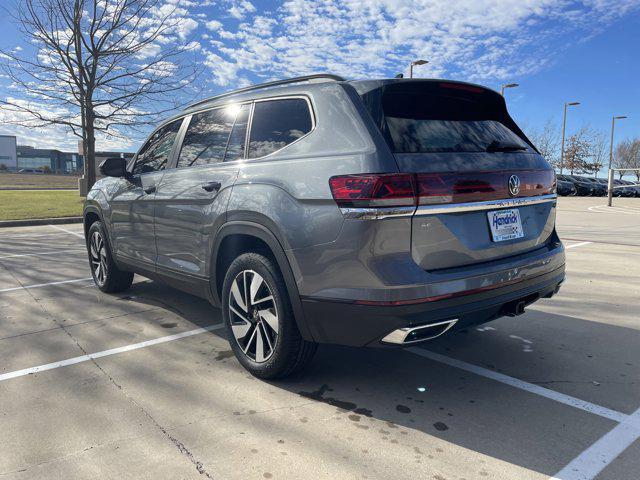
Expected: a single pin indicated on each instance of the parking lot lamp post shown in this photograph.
(508, 85)
(416, 62)
(564, 125)
(613, 125)
(610, 177)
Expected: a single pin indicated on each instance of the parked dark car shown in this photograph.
(599, 190)
(321, 210)
(566, 188)
(632, 189)
(583, 189)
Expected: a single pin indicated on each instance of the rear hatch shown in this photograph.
(463, 151)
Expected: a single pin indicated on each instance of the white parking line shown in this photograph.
(522, 385)
(25, 287)
(106, 353)
(594, 459)
(29, 235)
(580, 244)
(15, 255)
(67, 231)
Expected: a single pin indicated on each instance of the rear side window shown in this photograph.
(276, 124)
(154, 154)
(431, 120)
(206, 139)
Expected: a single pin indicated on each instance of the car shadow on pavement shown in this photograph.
(393, 393)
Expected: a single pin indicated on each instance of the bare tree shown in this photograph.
(599, 151)
(102, 66)
(547, 141)
(577, 152)
(627, 155)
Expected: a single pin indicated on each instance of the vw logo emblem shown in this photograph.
(514, 185)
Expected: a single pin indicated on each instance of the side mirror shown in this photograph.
(114, 167)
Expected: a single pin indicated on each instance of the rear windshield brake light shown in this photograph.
(408, 189)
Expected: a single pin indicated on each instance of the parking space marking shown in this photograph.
(67, 231)
(16, 255)
(38, 285)
(522, 385)
(577, 245)
(106, 353)
(28, 235)
(621, 209)
(594, 459)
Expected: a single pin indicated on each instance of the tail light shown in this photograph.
(410, 189)
(370, 190)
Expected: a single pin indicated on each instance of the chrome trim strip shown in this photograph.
(399, 336)
(379, 213)
(488, 205)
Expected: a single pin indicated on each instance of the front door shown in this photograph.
(133, 205)
(191, 199)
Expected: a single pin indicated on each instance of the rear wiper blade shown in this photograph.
(498, 146)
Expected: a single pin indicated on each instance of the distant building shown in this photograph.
(8, 152)
(16, 157)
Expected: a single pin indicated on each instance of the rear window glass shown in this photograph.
(441, 121)
(276, 124)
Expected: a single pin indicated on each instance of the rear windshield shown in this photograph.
(428, 119)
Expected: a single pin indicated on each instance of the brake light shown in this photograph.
(371, 190)
(408, 189)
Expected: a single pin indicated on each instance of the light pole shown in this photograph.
(610, 176)
(416, 62)
(613, 124)
(564, 124)
(508, 85)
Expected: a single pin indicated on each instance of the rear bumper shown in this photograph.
(345, 323)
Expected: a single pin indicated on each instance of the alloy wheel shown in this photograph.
(98, 254)
(253, 316)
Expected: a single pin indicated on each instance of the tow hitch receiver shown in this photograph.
(516, 307)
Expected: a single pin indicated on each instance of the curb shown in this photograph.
(39, 221)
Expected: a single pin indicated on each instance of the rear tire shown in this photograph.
(106, 274)
(259, 319)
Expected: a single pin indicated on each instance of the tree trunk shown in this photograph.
(89, 149)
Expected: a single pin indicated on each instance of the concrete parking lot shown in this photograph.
(143, 384)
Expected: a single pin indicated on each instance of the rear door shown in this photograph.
(192, 197)
(484, 192)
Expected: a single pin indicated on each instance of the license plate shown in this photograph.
(505, 225)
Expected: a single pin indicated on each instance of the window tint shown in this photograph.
(155, 153)
(420, 123)
(277, 123)
(207, 136)
(235, 149)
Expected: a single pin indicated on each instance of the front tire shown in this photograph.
(259, 319)
(106, 274)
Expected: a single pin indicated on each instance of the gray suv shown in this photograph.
(320, 210)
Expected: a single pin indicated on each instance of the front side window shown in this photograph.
(155, 153)
(206, 139)
(277, 123)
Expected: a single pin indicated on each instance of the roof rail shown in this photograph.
(275, 83)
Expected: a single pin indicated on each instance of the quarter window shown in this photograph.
(154, 154)
(206, 139)
(277, 123)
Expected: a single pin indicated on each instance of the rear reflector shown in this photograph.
(407, 189)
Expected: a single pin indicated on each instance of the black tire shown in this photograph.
(291, 353)
(106, 274)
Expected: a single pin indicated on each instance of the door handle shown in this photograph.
(212, 186)
(150, 189)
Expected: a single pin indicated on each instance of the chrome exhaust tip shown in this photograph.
(409, 335)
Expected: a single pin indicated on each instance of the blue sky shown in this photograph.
(557, 50)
